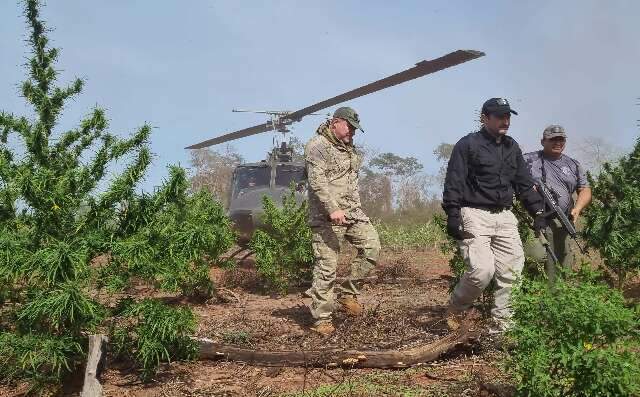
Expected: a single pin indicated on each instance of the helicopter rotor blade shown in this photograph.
(422, 68)
(256, 129)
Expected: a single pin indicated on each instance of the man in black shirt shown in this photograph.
(485, 170)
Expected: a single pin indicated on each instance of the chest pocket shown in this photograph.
(340, 164)
(492, 166)
(483, 164)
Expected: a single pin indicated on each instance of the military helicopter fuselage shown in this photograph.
(273, 178)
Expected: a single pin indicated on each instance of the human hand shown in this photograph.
(338, 217)
(540, 223)
(575, 213)
(454, 227)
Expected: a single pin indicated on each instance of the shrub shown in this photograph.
(41, 358)
(174, 247)
(398, 237)
(613, 218)
(67, 231)
(149, 332)
(577, 339)
(283, 249)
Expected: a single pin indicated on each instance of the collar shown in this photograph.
(506, 140)
(547, 158)
(325, 131)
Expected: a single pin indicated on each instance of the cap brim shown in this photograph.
(355, 125)
(503, 112)
(555, 135)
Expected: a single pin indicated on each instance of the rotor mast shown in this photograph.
(279, 121)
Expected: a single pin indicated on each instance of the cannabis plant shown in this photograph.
(613, 218)
(149, 332)
(575, 339)
(283, 247)
(67, 230)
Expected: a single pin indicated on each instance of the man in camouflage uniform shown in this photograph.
(335, 213)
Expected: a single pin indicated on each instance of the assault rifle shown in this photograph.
(547, 247)
(555, 210)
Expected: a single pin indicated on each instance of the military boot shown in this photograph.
(324, 328)
(350, 305)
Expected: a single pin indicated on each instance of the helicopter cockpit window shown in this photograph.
(251, 177)
(285, 174)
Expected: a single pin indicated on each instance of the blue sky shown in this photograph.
(182, 66)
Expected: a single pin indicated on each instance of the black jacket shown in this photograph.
(485, 174)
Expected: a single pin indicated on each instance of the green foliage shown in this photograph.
(533, 268)
(283, 248)
(613, 218)
(67, 231)
(42, 358)
(393, 165)
(577, 339)
(373, 384)
(65, 308)
(149, 332)
(173, 247)
(400, 237)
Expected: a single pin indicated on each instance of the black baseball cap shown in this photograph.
(497, 106)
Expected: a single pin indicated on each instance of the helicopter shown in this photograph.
(273, 176)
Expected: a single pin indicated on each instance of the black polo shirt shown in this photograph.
(484, 173)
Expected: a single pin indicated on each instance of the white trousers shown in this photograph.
(494, 251)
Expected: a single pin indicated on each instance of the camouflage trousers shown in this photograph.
(559, 242)
(326, 241)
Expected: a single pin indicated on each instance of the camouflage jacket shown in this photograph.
(332, 171)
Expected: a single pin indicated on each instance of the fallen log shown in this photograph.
(337, 357)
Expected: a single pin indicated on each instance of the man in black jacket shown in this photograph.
(486, 169)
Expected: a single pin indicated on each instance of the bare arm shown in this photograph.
(584, 198)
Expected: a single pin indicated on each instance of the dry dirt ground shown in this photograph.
(404, 301)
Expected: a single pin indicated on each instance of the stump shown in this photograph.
(95, 365)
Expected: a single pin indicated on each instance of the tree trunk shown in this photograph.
(338, 357)
(95, 365)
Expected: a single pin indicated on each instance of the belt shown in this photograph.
(494, 209)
